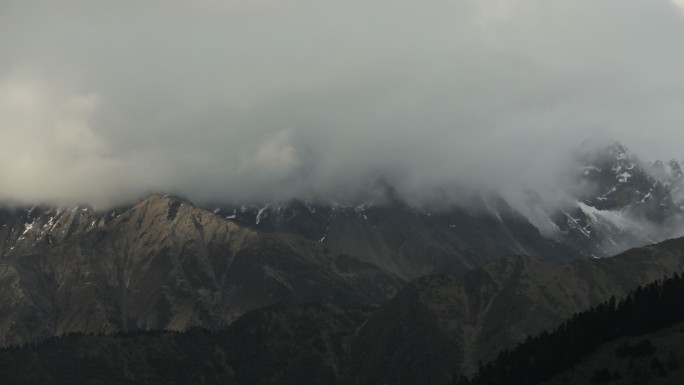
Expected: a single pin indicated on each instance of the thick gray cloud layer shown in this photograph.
(101, 101)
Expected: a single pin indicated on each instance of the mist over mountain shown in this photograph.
(606, 200)
(610, 200)
(235, 101)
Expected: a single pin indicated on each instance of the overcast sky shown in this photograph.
(101, 101)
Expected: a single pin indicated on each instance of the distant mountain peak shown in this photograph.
(621, 201)
(620, 150)
(675, 168)
(158, 197)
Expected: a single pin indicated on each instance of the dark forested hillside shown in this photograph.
(283, 344)
(539, 358)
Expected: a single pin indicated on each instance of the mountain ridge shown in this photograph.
(166, 264)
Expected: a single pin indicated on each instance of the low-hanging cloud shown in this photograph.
(228, 100)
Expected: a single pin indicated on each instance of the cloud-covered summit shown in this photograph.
(103, 101)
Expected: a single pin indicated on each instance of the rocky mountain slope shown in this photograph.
(407, 240)
(615, 201)
(611, 201)
(163, 264)
(28, 229)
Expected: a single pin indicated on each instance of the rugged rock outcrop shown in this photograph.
(615, 201)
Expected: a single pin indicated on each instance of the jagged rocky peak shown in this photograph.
(609, 154)
(26, 228)
(616, 179)
(166, 205)
(675, 169)
(621, 201)
(596, 159)
(669, 173)
(160, 219)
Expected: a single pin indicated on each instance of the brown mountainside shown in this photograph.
(165, 264)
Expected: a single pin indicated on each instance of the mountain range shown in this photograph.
(612, 201)
(163, 264)
(369, 292)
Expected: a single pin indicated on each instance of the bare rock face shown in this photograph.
(28, 229)
(164, 264)
(620, 202)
